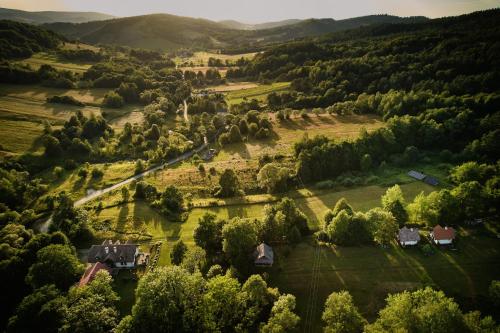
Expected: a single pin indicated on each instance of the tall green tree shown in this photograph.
(341, 315)
(229, 184)
(393, 201)
(282, 318)
(55, 264)
(240, 240)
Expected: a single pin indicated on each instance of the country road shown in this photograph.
(44, 227)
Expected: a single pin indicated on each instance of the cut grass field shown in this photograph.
(202, 57)
(370, 273)
(259, 93)
(24, 108)
(286, 133)
(43, 58)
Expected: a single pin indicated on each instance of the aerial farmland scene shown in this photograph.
(249, 166)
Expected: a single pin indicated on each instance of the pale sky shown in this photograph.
(256, 11)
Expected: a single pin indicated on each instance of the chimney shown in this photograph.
(114, 249)
(446, 228)
(411, 229)
(106, 249)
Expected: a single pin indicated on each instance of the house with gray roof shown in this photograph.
(264, 255)
(114, 255)
(408, 236)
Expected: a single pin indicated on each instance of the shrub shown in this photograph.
(65, 100)
(113, 100)
(58, 171)
(97, 173)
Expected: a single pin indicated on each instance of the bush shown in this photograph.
(325, 185)
(82, 173)
(70, 100)
(97, 173)
(113, 100)
(58, 171)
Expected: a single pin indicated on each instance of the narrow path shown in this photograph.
(312, 301)
(44, 227)
(186, 118)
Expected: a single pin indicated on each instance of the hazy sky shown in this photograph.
(254, 11)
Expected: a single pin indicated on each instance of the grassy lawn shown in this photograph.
(370, 273)
(137, 218)
(71, 183)
(43, 58)
(260, 93)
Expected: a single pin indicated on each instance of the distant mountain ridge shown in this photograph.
(170, 32)
(232, 24)
(51, 16)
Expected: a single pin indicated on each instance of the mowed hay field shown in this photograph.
(259, 93)
(24, 108)
(43, 58)
(286, 133)
(136, 218)
(370, 273)
(202, 57)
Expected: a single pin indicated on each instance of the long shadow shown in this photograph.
(122, 217)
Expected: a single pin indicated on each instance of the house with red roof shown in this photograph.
(91, 272)
(442, 236)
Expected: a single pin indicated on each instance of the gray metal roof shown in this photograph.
(113, 253)
(416, 175)
(408, 235)
(264, 254)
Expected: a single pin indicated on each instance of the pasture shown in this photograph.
(201, 58)
(370, 273)
(137, 220)
(43, 58)
(259, 93)
(24, 108)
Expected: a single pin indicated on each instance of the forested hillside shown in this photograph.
(50, 16)
(18, 40)
(170, 32)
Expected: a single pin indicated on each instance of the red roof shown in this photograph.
(440, 233)
(91, 272)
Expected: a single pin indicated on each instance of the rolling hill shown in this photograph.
(232, 24)
(51, 16)
(170, 32)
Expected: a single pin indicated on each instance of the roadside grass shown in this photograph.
(260, 93)
(76, 187)
(370, 273)
(44, 58)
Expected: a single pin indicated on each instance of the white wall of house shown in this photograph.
(443, 241)
(126, 265)
(409, 243)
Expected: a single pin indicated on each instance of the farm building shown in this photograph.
(91, 272)
(415, 174)
(114, 255)
(442, 236)
(431, 181)
(408, 236)
(264, 255)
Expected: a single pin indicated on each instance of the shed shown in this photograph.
(431, 180)
(416, 175)
(408, 236)
(264, 255)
